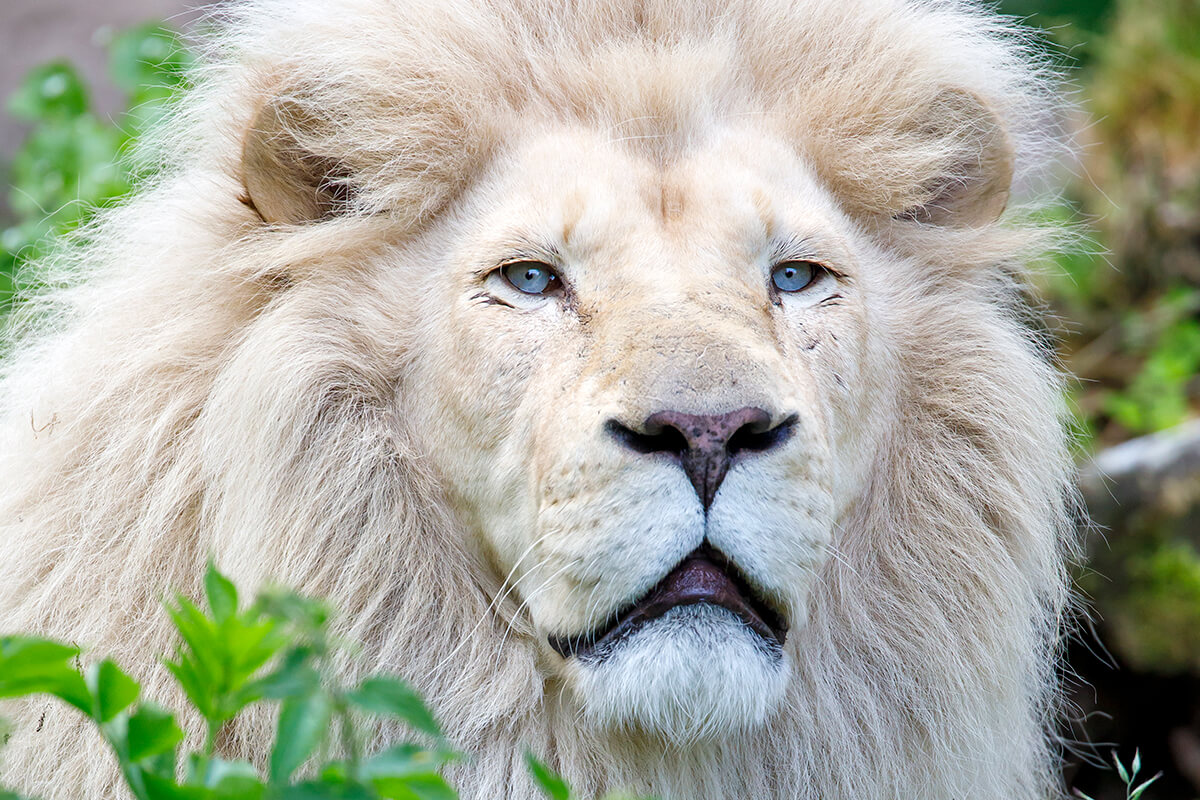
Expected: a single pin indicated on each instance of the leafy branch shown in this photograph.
(278, 649)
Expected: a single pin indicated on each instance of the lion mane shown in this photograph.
(215, 369)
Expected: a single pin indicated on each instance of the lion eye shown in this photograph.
(792, 276)
(530, 277)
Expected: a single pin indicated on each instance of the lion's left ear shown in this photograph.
(974, 172)
(285, 182)
(945, 161)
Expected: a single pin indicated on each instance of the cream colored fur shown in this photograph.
(335, 400)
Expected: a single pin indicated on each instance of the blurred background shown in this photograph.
(81, 80)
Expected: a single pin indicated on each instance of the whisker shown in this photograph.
(525, 603)
(507, 588)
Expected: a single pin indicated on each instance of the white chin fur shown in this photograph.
(696, 673)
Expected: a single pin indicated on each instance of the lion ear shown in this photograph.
(285, 182)
(973, 170)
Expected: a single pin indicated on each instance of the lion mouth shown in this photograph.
(703, 576)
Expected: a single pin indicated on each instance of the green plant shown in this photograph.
(73, 161)
(279, 650)
(1128, 777)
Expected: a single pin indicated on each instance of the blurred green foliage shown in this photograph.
(1157, 396)
(1071, 24)
(73, 161)
(1129, 306)
(1128, 312)
(1165, 588)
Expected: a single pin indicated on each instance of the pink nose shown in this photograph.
(704, 444)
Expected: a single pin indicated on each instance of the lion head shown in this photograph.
(647, 381)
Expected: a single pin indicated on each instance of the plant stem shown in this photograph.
(349, 740)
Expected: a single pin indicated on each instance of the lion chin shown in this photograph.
(648, 381)
(696, 673)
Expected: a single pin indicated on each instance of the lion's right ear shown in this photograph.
(285, 182)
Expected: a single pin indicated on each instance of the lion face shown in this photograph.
(646, 371)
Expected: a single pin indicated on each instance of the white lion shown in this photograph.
(644, 379)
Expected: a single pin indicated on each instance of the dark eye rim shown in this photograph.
(554, 286)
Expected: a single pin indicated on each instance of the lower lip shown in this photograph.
(705, 576)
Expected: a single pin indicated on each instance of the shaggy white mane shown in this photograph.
(199, 382)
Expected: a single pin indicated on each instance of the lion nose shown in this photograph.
(705, 444)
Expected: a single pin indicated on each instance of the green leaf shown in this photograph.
(547, 780)
(323, 790)
(221, 594)
(303, 723)
(393, 697)
(67, 686)
(152, 731)
(1136, 793)
(194, 768)
(308, 615)
(407, 772)
(415, 787)
(161, 787)
(30, 665)
(112, 690)
(295, 676)
(17, 652)
(1120, 768)
(235, 780)
(248, 645)
(407, 759)
(199, 666)
(192, 684)
(200, 635)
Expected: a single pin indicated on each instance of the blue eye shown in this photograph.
(530, 277)
(792, 276)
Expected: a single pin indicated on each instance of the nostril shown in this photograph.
(655, 438)
(756, 436)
